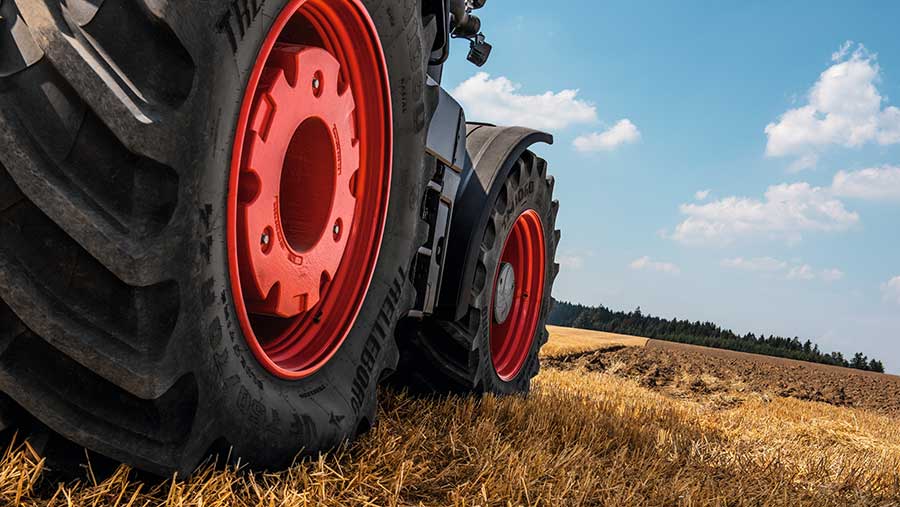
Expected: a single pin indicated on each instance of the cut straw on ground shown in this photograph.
(581, 438)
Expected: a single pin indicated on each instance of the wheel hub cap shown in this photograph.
(503, 298)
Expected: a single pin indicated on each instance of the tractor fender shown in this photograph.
(493, 151)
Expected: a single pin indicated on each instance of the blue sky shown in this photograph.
(734, 162)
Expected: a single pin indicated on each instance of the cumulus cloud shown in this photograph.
(803, 163)
(870, 184)
(844, 108)
(786, 211)
(789, 270)
(891, 290)
(802, 272)
(832, 275)
(623, 132)
(755, 264)
(570, 262)
(842, 52)
(501, 101)
(646, 263)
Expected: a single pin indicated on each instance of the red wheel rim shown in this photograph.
(309, 184)
(511, 337)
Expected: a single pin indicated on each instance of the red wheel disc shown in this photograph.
(514, 323)
(310, 181)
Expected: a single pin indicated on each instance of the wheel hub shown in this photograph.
(310, 182)
(296, 176)
(503, 296)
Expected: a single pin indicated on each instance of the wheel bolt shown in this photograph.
(337, 229)
(265, 239)
(316, 83)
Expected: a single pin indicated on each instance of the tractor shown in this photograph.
(225, 223)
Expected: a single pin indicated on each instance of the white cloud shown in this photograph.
(646, 263)
(844, 109)
(570, 262)
(891, 289)
(871, 184)
(786, 211)
(803, 163)
(801, 272)
(790, 271)
(500, 101)
(832, 275)
(842, 52)
(755, 264)
(623, 132)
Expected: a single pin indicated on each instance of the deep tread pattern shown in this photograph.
(88, 303)
(75, 302)
(67, 160)
(136, 193)
(61, 392)
(10, 327)
(159, 67)
(116, 327)
(18, 49)
(139, 113)
(122, 243)
(439, 356)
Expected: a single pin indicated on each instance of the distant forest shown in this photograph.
(706, 334)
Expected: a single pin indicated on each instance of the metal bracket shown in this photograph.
(446, 142)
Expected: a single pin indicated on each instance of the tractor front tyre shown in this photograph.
(205, 220)
(494, 348)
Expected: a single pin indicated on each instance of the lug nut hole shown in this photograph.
(338, 229)
(265, 241)
(318, 83)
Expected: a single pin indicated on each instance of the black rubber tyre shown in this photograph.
(442, 356)
(117, 325)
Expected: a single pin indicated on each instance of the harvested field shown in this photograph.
(566, 340)
(599, 429)
(726, 378)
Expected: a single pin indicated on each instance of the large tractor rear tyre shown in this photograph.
(494, 347)
(157, 209)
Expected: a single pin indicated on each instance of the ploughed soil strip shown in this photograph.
(724, 379)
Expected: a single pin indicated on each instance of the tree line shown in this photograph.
(706, 334)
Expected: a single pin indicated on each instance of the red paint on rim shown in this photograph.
(524, 249)
(309, 184)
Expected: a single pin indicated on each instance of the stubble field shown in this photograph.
(612, 420)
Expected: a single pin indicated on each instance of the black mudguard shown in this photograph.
(493, 151)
